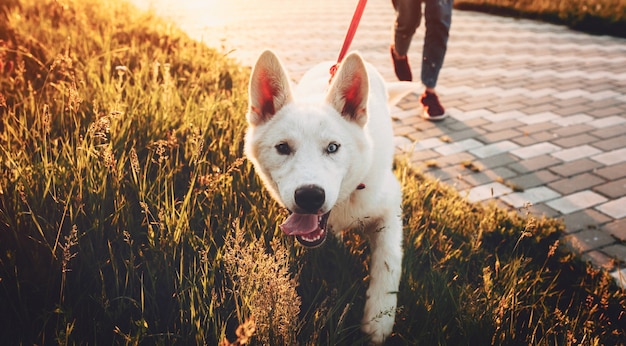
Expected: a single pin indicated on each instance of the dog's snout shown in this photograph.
(310, 198)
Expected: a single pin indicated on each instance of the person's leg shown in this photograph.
(438, 17)
(408, 16)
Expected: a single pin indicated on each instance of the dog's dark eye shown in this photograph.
(283, 149)
(332, 148)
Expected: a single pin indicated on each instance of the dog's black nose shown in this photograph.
(310, 198)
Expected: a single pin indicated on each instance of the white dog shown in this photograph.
(325, 153)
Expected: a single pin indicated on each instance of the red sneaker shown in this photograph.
(401, 66)
(433, 110)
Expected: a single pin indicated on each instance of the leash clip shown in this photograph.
(333, 70)
(354, 24)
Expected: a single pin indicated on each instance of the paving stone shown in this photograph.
(458, 147)
(609, 132)
(403, 144)
(533, 179)
(612, 157)
(570, 101)
(578, 201)
(494, 149)
(417, 123)
(573, 95)
(539, 127)
(611, 143)
(612, 189)
(540, 108)
(534, 164)
(608, 94)
(456, 159)
(576, 153)
(536, 118)
(606, 102)
(576, 183)
(429, 143)
(608, 121)
(476, 122)
(605, 112)
(416, 136)
(502, 125)
(539, 96)
(533, 196)
(584, 220)
(573, 168)
(597, 90)
(492, 137)
(409, 103)
(612, 172)
(528, 140)
(587, 240)
(498, 203)
(525, 140)
(417, 157)
(615, 209)
(599, 260)
(402, 130)
(617, 229)
(544, 136)
(483, 95)
(502, 172)
(497, 161)
(487, 191)
(430, 133)
(509, 115)
(576, 140)
(455, 125)
(617, 251)
(537, 210)
(404, 114)
(504, 107)
(572, 130)
(487, 176)
(476, 113)
(446, 173)
(571, 114)
(620, 277)
(535, 150)
(458, 136)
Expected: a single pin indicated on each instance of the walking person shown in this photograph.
(438, 16)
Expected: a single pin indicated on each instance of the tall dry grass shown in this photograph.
(606, 17)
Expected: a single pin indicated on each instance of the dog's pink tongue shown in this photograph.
(297, 224)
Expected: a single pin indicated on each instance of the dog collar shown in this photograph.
(361, 186)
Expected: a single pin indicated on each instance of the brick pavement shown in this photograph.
(538, 108)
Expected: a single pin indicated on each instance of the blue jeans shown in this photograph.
(438, 16)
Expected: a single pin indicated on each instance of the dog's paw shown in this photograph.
(378, 321)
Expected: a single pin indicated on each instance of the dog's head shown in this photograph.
(310, 156)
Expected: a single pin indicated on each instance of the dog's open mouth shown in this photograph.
(309, 229)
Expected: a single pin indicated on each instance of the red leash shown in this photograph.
(354, 24)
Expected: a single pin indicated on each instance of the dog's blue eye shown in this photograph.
(332, 148)
(283, 149)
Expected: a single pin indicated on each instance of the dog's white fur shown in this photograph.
(351, 112)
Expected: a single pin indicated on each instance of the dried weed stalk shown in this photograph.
(263, 285)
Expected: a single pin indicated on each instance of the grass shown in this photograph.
(603, 17)
(128, 214)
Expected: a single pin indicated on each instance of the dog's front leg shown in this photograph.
(385, 270)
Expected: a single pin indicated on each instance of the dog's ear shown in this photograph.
(269, 88)
(349, 89)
